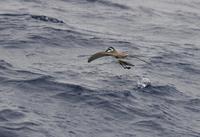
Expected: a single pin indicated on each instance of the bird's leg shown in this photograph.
(125, 64)
(122, 65)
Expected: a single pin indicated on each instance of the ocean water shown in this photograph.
(47, 88)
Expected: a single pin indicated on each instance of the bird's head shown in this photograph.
(110, 49)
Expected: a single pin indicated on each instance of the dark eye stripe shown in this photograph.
(110, 49)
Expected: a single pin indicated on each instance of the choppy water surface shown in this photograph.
(47, 88)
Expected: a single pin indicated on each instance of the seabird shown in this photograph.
(114, 53)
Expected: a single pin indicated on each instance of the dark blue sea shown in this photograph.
(48, 89)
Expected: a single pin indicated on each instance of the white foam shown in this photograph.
(143, 82)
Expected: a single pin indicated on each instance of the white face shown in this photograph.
(110, 49)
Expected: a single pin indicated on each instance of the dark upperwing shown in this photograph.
(99, 55)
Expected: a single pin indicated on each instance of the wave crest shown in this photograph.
(110, 4)
(46, 19)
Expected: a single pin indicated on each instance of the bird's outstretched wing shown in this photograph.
(99, 55)
(125, 64)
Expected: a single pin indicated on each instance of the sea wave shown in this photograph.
(47, 87)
